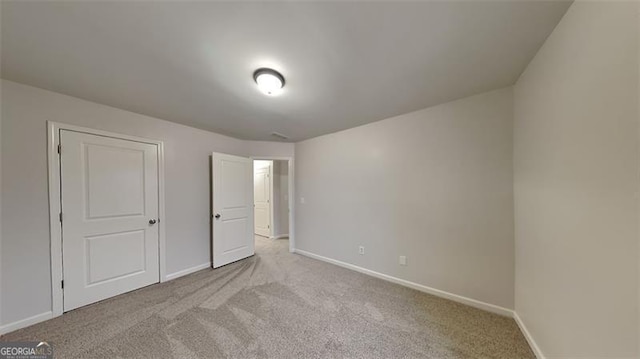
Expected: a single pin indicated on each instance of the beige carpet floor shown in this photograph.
(278, 305)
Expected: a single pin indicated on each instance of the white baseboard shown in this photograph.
(4, 329)
(440, 293)
(184, 272)
(437, 292)
(279, 236)
(532, 343)
(48, 315)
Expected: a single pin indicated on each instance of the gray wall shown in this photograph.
(25, 263)
(434, 185)
(576, 185)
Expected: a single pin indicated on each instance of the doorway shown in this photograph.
(263, 198)
(272, 191)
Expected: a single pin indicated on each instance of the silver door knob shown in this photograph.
(152, 221)
(217, 216)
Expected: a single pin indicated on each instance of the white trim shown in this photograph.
(292, 199)
(162, 218)
(55, 230)
(292, 206)
(26, 322)
(53, 168)
(285, 235)
(272, 215)
(187, 271)
(437, 292)
(638, 199)
(527, 335)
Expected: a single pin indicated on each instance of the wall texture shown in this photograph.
(25, 264)
(434, 185)
(576, 185)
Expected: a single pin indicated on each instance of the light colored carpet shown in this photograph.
(278, 305)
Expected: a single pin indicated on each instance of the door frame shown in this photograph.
(55, 205)
(271, 216)
(292, 202)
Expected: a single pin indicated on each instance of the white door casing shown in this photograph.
(110, 211)
(261, 201)
(232, 199)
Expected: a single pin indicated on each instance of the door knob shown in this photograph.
(217, 216)
(152, 221)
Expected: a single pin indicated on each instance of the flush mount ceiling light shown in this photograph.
(269, 81)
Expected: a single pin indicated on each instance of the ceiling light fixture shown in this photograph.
(269, 81)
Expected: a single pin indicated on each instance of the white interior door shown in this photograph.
(109, 210)
(262, 200)
(232, 199)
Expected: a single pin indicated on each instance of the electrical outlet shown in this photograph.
(361, 250)
(403, 260)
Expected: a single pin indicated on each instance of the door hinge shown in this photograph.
(59, 148)
(60, 217)
(62, 284)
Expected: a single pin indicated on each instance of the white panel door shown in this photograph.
(261, 201)
(232, 199)
(110, 210)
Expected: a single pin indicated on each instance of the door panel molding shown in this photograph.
(232, 204)
(110, 176)
(55, 207)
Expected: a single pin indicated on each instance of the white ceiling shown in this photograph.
(345, 63)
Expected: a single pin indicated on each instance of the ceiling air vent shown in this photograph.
(279, 135)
